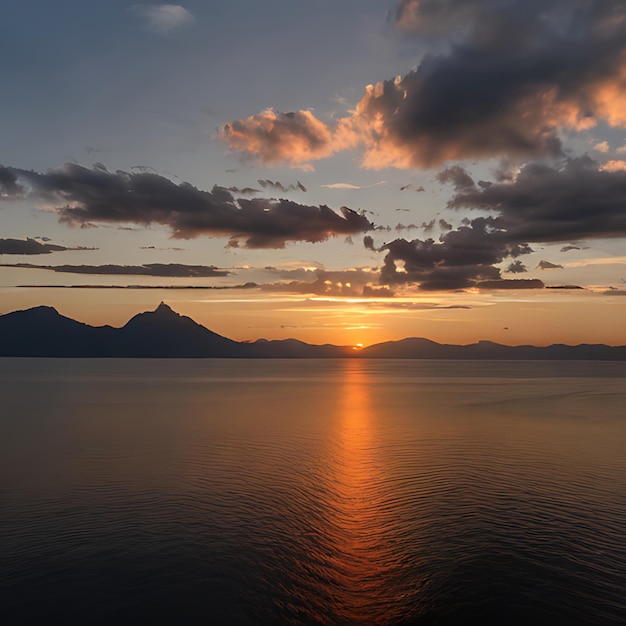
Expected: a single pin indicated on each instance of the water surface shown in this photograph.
(313, 491)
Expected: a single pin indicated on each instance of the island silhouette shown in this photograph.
(43, 332)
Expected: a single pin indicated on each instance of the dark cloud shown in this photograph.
(457, 176)
(543, 203)
(505, 77)
(368, 242)
(85, 196)
(518, 283)
(547, 265)
(9, 186)
(377, 292)
(549, 203)
(572, 247)
(244, 191)
(171, 270)
(32, 246)
(348, 283)
(444, 225)
(517, 267)
(248, 285)
(461, 258)
(278, 186)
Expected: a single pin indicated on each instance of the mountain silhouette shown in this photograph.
(415, 348)
(165, 333)
(43, 332)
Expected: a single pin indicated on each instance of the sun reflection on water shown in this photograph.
(361, 566)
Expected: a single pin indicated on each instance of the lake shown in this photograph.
(312, 491)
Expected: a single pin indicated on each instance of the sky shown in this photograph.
(347, 172)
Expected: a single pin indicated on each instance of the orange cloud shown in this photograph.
(294, 138)
(614, 166)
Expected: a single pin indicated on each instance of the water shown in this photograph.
(312, 492)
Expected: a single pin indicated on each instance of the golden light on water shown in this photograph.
(359, 565)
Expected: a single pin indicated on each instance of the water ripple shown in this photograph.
(327, 493)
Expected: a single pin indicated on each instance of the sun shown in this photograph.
(357, 346)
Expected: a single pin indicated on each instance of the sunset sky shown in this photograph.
(346, 172)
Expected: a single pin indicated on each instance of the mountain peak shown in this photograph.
(42, 311)
(165, 309)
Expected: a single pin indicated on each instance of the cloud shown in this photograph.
(546, 265)
(351, 186)
(341, 186)
(614, 165)
(517, 267)
(338, 283)
(278, 186)
(352, 282)
(249, 285)
(84, 196)
(295, 138)
(437, 18)
(518, 283)
(31, 246)
(244, 191)
(415, 306)
(461, 258)
(609, 260)
(171, 270)
(545, 203)
(9, 186)
(457, 176)
(368, 243)
(163, 18)
(174, 248)
(603, 146)
(377, 292)
(428, 226)
(506, 78)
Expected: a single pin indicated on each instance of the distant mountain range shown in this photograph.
(163, 333)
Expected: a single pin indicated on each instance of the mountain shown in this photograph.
(294, 349)
(414, 348)
(44, 332)
(165, 333)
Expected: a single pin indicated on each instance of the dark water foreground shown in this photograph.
(312, 492)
